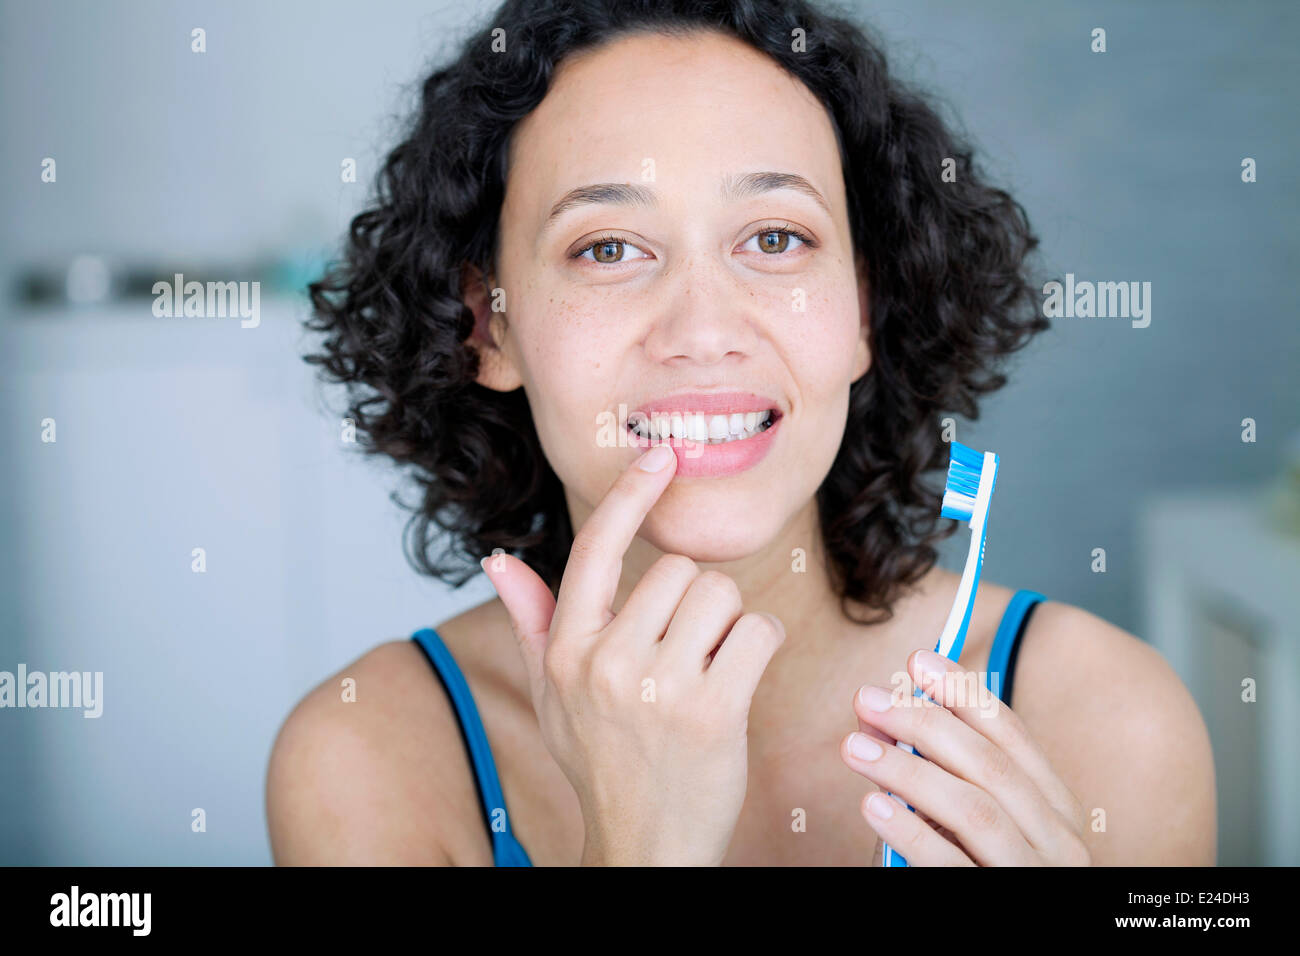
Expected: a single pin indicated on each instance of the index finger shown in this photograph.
(595, 564)
(952, 686)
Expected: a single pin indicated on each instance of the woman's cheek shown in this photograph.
(822, 356)
(571, 407)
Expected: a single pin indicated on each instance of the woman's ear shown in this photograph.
(496, 370)
(862, 358)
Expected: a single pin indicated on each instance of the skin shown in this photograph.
(1099, 722)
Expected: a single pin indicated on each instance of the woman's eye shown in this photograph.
(606, 250)
(776, 241)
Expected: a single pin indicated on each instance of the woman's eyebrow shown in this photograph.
(753, 184)
(633, 194)
(618, 194)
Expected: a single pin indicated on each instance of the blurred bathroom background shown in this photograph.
(176, 434)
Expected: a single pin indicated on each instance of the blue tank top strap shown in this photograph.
(1006, 643)
(506, 850)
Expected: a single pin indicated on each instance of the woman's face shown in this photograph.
(692, 300)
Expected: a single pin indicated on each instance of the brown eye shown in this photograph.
(608, 251)
(775, 242)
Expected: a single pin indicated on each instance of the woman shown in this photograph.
(609, 216)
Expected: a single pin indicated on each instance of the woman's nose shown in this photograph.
(703, 318)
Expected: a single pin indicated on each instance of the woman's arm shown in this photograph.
(380, 780)
(1124, 734)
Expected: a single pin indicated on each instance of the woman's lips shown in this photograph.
(702, 460)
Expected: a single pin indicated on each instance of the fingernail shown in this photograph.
(877, 699)
(878, 805)
(931, 664)
(482, 563)
(655, 458)
(863, 747)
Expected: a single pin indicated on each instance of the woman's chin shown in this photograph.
(712, 541)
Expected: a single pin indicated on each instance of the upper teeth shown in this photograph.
(700, 428)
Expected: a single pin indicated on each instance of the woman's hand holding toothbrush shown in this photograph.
(985, 793)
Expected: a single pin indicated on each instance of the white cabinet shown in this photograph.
(174, 434)
(1223, 606)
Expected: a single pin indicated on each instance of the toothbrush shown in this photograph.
(966, 497)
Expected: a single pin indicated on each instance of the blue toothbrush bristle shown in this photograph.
(964, 469)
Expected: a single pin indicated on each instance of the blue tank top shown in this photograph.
(507, 851)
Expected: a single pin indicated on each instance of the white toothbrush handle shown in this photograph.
(958, 617)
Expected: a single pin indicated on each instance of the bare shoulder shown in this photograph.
(370, 768)
(1124, 734)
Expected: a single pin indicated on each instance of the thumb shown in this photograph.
(531, 606)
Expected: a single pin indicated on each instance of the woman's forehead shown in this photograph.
(686, 116)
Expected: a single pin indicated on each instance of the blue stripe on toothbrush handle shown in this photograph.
(890, 856)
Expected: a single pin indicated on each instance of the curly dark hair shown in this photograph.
(948, 290)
